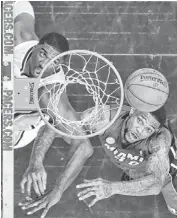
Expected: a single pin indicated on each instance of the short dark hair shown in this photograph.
(160, 115)
(56, 40)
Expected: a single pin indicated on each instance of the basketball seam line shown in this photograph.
(148, 87)
(144, 101)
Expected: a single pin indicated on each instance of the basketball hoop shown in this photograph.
(92, 85)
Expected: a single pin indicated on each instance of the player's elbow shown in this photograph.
(157, 190)
(86, 149)
(90, 151)
(157, 187)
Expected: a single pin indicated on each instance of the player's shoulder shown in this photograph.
(161, 140)
(165, 133)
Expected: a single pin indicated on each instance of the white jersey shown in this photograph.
(22, 53)
(22, 7)
(26, 126)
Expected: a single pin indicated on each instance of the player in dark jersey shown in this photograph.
(138, 142)
(143, 145)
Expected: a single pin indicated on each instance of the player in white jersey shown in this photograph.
(30, 56)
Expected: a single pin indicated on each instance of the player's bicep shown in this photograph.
(158, 163)
(158, 167)
(24, 29)
(24, 22)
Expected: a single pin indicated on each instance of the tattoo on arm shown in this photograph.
(82, 148)
(157, 169)
(41, 144)
(107, 189)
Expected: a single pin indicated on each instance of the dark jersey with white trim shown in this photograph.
(132, 158)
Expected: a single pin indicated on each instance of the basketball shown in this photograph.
(146, 90)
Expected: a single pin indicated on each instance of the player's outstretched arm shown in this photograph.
(156, 171)
(81, 148)
(24, 22)
(81, 151)
(35, 175)
(150, 184)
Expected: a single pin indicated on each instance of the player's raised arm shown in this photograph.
(81, 151)
(150, 184)
(24, 21)
(35, 175)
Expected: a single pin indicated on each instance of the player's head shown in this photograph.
(141, 125)
(48, 47)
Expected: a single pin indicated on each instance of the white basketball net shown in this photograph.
(104, 89)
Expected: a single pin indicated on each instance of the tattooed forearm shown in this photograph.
(41, 144)
(107, 189)
(151, 183)
(157, 169)
(148, 185)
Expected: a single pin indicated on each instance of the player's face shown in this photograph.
(41, 55)
(140, 126)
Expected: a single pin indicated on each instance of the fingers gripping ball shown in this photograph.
(146, 90)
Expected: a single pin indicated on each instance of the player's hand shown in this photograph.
(36, 177)
(46, 202)
(99, 187)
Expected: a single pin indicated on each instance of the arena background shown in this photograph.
(132, 35)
